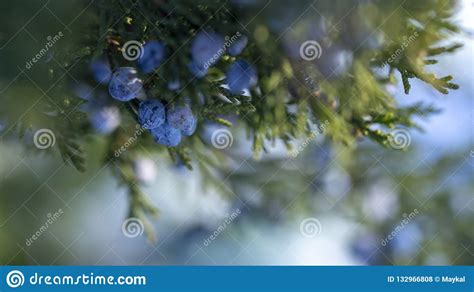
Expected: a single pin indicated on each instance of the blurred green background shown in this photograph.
(352, 199)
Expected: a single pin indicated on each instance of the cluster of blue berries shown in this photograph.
(208, 47)
(169, 125)
(124, 82)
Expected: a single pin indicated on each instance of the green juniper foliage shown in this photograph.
(359, 48)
